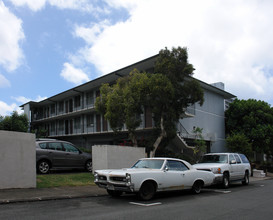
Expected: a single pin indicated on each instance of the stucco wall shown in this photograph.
(115, 157)
(17, 160)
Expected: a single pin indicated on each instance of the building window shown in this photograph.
(77, 101)
(61, 125)
(77, 123)
(52, 127)
(89, 98)
(61, 106)
(52, 109)
(90, 120)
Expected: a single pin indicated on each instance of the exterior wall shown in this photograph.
(211, 117)
(115, 157)
(17, 160)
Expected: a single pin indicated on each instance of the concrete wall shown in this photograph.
(17, 160)
(115, 157)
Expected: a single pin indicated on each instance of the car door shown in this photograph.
(240, 167)
(175, 175)
(56, 154)
(73, 156)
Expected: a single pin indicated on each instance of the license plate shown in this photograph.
(110, 187)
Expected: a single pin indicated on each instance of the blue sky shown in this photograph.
(49, 46)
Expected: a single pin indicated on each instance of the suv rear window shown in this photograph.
(244, 158)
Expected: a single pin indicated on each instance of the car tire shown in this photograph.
(43, 167)
(114, 193)
(197, 187)
(225, 181)
(246, 179)
(89, 166)
(147, 191)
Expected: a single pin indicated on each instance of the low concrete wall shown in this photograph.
(17, 160)
(115, 157)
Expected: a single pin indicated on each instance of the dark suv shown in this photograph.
(56, 154)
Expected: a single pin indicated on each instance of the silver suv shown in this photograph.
(56, 154)
(226, 167)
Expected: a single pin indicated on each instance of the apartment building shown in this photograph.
(71, 115)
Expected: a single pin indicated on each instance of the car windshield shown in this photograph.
(214, 159)
(151, 164)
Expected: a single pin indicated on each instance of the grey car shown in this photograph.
(56, 154)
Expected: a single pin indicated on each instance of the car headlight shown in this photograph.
(96, 176)
(217, 170)
(128, 178)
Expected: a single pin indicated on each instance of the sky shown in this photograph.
(49, 46)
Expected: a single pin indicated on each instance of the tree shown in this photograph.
(254, 120)
(15, 122)
(187, 91)
(239, 143)
(199, 142)
(123, 102)
(167, 92)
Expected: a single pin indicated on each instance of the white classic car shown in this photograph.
(151, 175)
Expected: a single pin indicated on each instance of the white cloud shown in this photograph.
(6, 109)
(23, 100)
(74, 75)
(11, 35)
(4, 82)
(229, 40)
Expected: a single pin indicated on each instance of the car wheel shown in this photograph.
(88, 166)
(147, 191)
(114, 193)
(246, 179)
(43, 167)
(225, 181)
(197, 186)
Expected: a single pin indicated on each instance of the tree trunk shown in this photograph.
(160, 137)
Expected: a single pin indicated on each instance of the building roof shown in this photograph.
(142, 65)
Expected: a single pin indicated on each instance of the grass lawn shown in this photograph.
(70, 179)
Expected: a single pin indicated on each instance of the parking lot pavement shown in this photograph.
(34, 194)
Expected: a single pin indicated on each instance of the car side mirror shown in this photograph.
(232, 162)
(166, 169)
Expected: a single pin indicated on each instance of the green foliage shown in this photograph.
(199, 142)
(15, 122)
(167, 92)
(254, 119)
(239, 143)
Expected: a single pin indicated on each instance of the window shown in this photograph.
(52, 109)
(231, 158)
(70, 148)
(176, 165)
(237, 158)
(77, 101)
(55, 146)
(61, 125)
(89, 98)
(61, 106)
(42, 145)
(244, 158)
(90, 120)
(52, 127)
(77, 123)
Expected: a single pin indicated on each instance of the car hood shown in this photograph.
(122, 172)
(207, 165)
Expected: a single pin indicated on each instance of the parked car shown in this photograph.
(227, 167)
(151, 175)
(56, 154)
